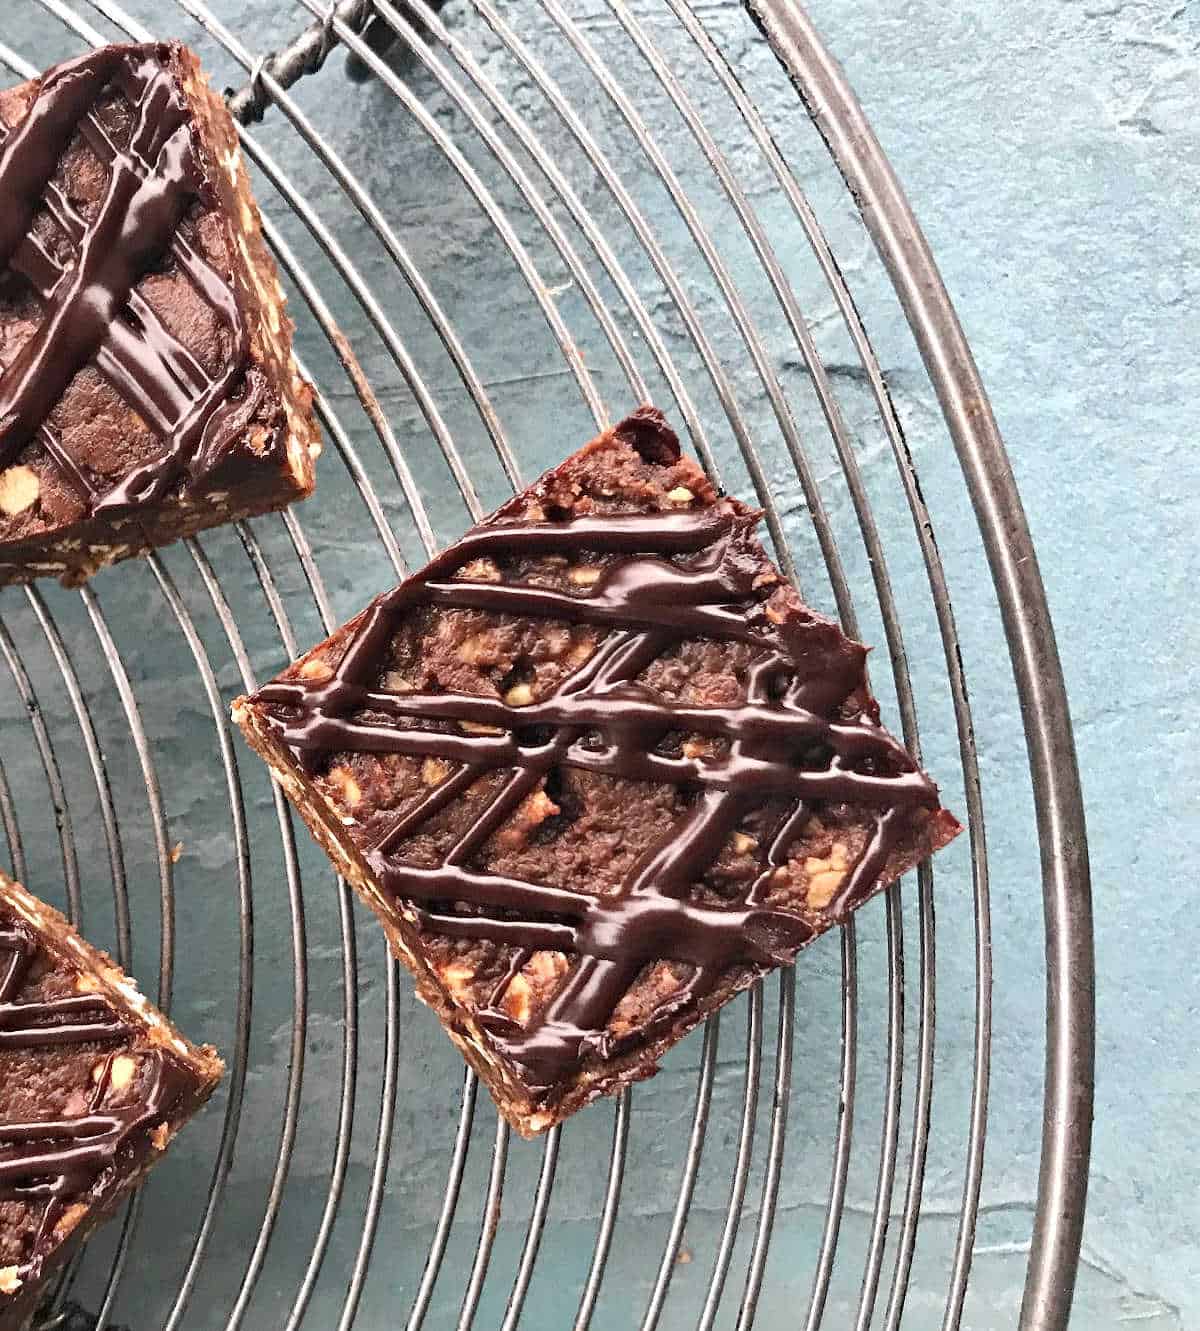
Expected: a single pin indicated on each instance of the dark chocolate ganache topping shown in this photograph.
(54, 1160)
(93, 313)
(666, 577)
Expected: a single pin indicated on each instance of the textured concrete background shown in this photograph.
(1051, 154)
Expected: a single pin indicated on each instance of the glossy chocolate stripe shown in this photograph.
(31, 152)
(133, 227)
(32, 1022)
(157, 397)
(630, 703)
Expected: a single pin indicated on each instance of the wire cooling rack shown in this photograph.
(529, 219)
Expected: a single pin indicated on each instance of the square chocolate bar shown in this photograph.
(147, 386)
(596, 768)
(94, 1083)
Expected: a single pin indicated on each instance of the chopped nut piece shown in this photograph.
(10, 1281)
(585, 575)
(316, 668)
(520, 695)
(825, 875)
(538, 977)
(87, 984)
(545, 966)
(556, 642)
(580, 652)
(177, 852)
(122, 1072)
(347, 787)
(680, 495)
(533, 810)
(478, 728)
(434, 771)
(69, 1219)
(480, 570)
(19, 489)
(836, 859)
(695, 748)
(457, 977)
(822, 887)
(516, 999)
(395, 682)
(160, 1138)
(743, 844)
(476, 649)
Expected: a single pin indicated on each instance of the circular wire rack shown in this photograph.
(529, 219)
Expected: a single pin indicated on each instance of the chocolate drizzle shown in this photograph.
(93, 313)
(55, 1160)
(667, 577)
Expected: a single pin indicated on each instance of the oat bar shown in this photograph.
(94, 1083)
(147, 387)
(596, 768)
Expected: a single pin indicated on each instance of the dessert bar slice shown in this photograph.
(147, 387)
(596, 769)
(93, 1085)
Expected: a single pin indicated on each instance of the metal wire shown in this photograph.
(546, 194)
(304, 54)
(687, 1184)
(45, 748)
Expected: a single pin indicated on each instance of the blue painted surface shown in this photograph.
(1051, 154)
